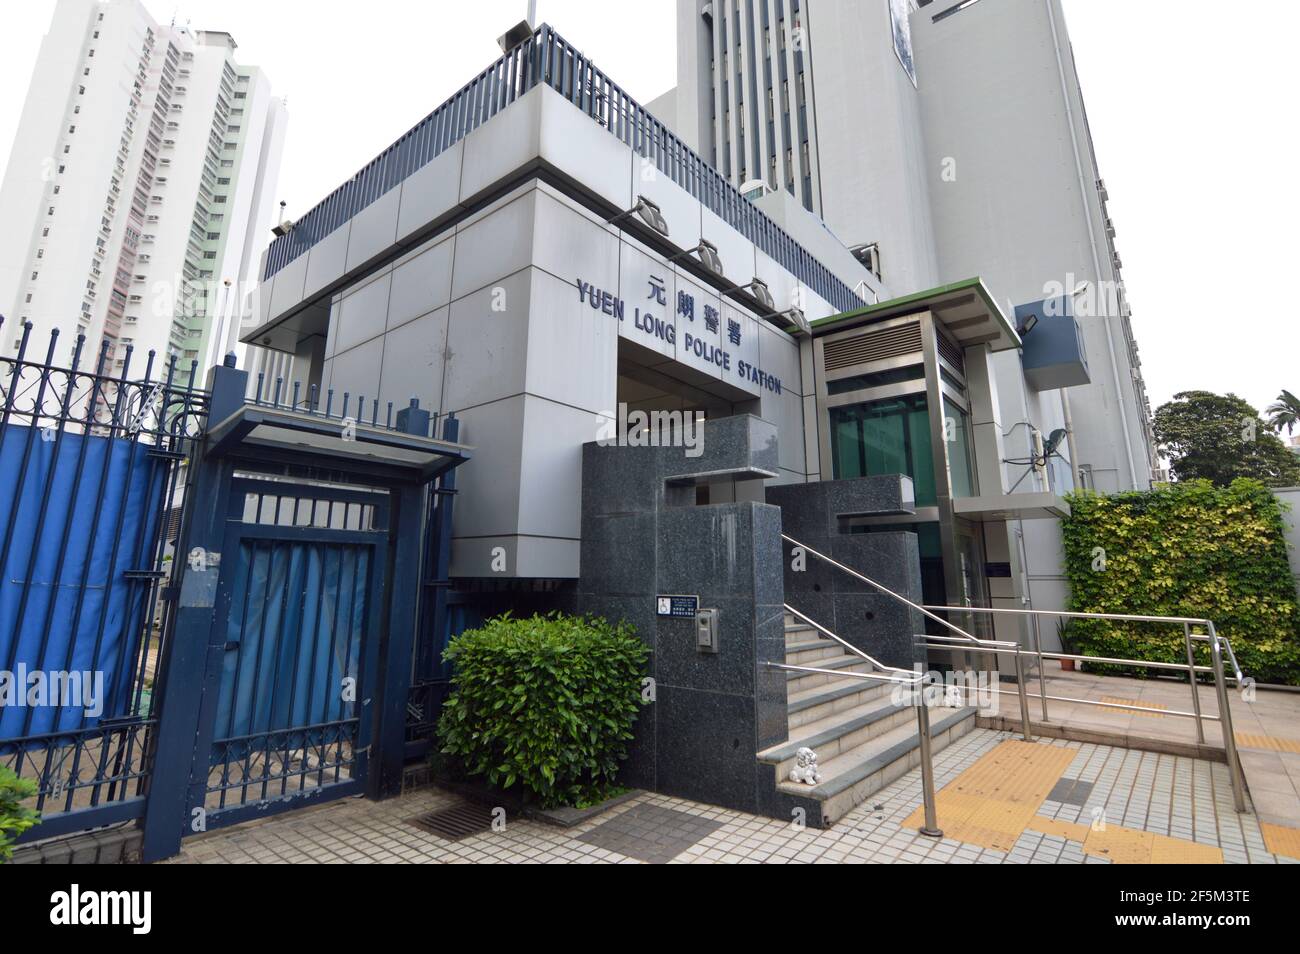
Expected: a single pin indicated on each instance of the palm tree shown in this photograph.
(1284, 412)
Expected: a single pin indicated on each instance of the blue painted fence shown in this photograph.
(80, 522)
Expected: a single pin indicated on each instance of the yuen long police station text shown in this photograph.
(665, 329)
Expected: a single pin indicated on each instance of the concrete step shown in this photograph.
(839, 695)
(851, 777)
(842, 662)
(800, 634)
(838, 733)
(806, 654)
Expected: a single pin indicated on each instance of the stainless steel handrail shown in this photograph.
(1217, 646)
(882, 676)
(1026, 729)
(1225, 722)
(1187, 623)
(881, 588)
(898, 676)
(844, 642)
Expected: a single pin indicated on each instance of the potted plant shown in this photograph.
(1065, 629)
(547, 703)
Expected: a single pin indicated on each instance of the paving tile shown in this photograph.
(1097, 805)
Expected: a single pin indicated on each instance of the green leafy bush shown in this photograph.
(14, 818)
(547, 702)
(1185, 549)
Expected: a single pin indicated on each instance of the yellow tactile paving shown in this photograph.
(1175, 851)
(1071, 831)
(1117, 701)
(1123, 846)
(1129, 846)
(1015, 771)
(995, 801)
(1271, 743)
(992, 802)
(1281, 840)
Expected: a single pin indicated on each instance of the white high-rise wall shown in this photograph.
(140, 179)
(955, 137)
(65, 196)
(976, 160)
(1025, 208)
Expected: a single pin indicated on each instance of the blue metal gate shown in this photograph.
(297, 604)
(90, 466)
(211, 608)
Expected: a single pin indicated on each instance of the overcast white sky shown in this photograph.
(1193, 111)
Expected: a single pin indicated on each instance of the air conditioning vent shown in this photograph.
(872, 346)
(869, 256)
(951, 353)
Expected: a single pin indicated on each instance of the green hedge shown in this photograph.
(15, 818)
(1186, 549)
(547, 702)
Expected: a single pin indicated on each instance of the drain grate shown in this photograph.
(453, 824)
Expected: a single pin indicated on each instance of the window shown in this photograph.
(885, 437)
(960, 459)
(858, 382)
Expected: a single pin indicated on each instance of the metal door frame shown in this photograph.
(377, 576)
(299, 441)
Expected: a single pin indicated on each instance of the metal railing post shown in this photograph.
(1042, 680)
(1191, 678)
(1225, 721)
(1025, 730)
(931, 828)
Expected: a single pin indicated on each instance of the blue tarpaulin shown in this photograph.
(96, 501)
(294, 636)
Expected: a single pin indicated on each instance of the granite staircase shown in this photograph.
(863, 739)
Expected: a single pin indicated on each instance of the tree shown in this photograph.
(1284, 412)
(1220, 437)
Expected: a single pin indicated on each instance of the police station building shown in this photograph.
(543, 259)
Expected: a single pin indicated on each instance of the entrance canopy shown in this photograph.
(965, 309)
(300, 435)
(998, 507)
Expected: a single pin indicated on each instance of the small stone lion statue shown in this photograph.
(805, 767)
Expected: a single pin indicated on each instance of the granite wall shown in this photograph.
(644, 535)
(816, 515)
